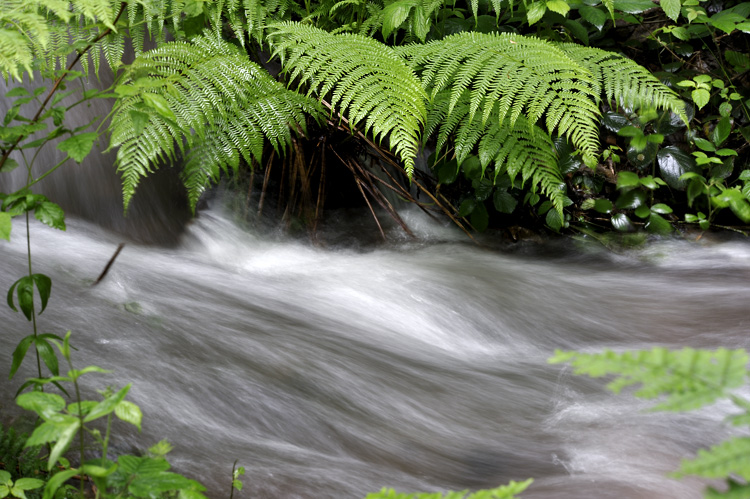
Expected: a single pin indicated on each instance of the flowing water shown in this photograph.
(419, 365)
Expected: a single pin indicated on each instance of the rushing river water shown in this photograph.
(418, 365)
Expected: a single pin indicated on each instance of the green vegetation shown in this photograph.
(686, 380)
(537, 116)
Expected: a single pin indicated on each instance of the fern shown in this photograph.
(367, 82)
(688, 378)
(509, 491)
(624, 82)
(511, 148)
(203, 98)
(523, 75)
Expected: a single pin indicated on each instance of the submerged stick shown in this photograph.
(109, 264)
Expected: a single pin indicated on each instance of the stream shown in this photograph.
(330, 372)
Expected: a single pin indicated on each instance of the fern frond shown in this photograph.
(624, 82)
(366, 80)
(687, 378)
(222, 107)
(514, 148)
(731, 457)
(522, 75)
(96, 11)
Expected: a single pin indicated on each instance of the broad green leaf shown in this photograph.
(139, 119)
(559, 6)
(466, 207)
(627, 179)
(631, 200)
(395, 14)
(658, 225)
(129, 412)
(614, 121)
(25, 293)
(79, 146)
(642, 211)
(603, 205)
(701, 97)
(673, 163)
(634, 6)
(630, 131)
(5, 226)
(159, 104)
(704, 145)
(504, 202)
(535, 12)
(51, 214)
(28, 483)
(479, 217)
(46, 405)
(621, 222)
(9, 165)
(593, 15)
(661, 208)
(721, 131)
(671, 8)
(57, 481)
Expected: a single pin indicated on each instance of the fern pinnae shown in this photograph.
(366, 80)
(222, 107)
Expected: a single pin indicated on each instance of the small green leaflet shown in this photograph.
(78, 146)
(160, 105)
(5, 226)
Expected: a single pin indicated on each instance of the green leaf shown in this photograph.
(661, 208)
(621, 222)
(19, 353)
(671, 8)
(727, 458)
(631, 199)
(47, 354)
(614, 121)
(5, 225)
(704, 145)
(57, 481)
(603, 205)
(634, 6)
(673, 163)
(46, 405)
(466, 207)
(642, 211)
(28, 483)
(559, 6)
(630, 131)
(25, 292)
(593, 15)
(139, 120)
(44, 286)
(504, 202)
(480, 218)
(721, 131)
(701, 97)
(627, 179)
(129, 412)
(535, 12)
(9, 165)
(159, 104)
(51, 214)
(107, 405)
(79, 146)
(658, 225)
(394, 15)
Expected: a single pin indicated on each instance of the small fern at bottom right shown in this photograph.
(684, 380)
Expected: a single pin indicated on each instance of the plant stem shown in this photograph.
(80, 417)
(33, 308)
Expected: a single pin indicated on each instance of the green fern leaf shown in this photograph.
(206, 98)
(521, 75)
(731, 457)
(624, 82)
(366, 80)
(687, 379)
(510, 147)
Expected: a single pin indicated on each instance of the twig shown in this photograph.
(109, 264)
